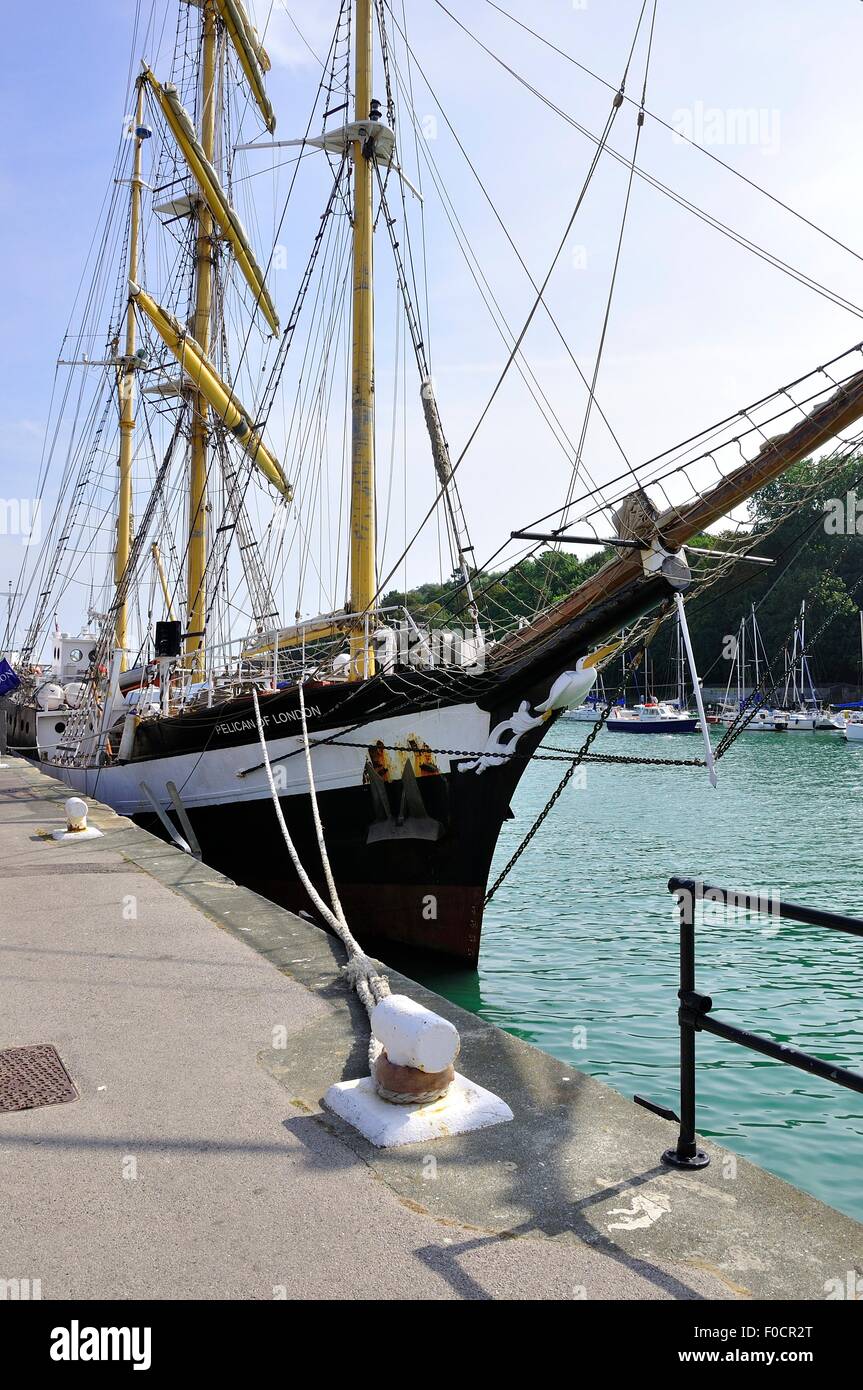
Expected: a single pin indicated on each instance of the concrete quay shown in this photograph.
(201, 1026)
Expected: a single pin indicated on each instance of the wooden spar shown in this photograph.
(251, 53)
(200, 164)
(199, 371)
(679, 524)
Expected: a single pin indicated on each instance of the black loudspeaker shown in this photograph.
(168, 639)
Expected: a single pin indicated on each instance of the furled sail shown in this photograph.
(213, 194)
(251, 53)
(203, 375)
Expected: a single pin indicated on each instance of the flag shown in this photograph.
(8, 680)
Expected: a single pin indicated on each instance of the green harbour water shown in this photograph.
(580, 944)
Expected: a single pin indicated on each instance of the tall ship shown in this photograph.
(225, 463)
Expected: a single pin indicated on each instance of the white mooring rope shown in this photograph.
(369, 984)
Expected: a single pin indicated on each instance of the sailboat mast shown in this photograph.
(679, 665)
(363, 582)
(196, 558)
(803, 661)
(127, 390)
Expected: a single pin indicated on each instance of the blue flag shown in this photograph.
(8, 680)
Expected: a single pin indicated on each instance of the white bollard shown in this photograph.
(76, 814)
(414, 1093)
(413, 1036)
(76, 822)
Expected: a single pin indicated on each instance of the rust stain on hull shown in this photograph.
(389, 764)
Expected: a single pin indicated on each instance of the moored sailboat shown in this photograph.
(749, 657)
(803, 708)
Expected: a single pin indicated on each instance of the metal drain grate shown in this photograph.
(33, 1076)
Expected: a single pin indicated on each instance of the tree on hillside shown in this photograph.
(789, 524)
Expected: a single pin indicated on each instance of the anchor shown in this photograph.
(412, 821)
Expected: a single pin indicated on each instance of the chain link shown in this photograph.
(552, 801)
(553, 755)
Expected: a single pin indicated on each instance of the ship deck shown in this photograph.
(197, 1161)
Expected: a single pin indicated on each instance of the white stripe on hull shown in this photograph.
(210, 778)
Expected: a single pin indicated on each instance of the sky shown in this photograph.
(698, 326)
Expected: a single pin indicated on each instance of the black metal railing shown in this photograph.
(695, 1016)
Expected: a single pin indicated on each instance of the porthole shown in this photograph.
(59, 728)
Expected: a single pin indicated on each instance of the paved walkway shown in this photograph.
(197, 1164)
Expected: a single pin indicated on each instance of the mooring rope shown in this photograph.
(360, 969)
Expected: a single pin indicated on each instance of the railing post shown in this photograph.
(686, 1153)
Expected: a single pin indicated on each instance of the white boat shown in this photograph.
(765, 721)
(828, 722)
(805, 712)
(648, 715)
(584, 714)
(800, 721)
(654, 717)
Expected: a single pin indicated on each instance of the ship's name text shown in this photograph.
(285, 716)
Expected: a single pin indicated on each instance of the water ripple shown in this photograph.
(580, 945)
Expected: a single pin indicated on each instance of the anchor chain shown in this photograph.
(552, 755)
(552, 801)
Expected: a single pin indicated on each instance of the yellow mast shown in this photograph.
(160, 570)
(363, 583)
(196, 559)
(127, 393)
